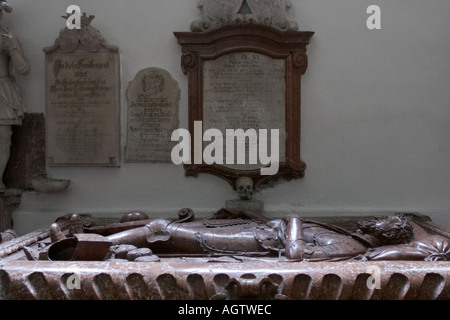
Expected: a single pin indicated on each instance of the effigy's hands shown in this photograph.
(298, 249)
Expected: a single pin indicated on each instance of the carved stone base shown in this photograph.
(256, 206)
(218, 277)
(188, 280)
(9, 200)
(26, 168)
(27, 160)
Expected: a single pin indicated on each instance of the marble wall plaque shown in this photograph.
(245, 90)
(153, 101)
(82, 108)
(82, 73)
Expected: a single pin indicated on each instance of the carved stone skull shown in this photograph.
(244, 188)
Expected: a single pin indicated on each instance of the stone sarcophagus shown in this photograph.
(244, 61)
(80, 258)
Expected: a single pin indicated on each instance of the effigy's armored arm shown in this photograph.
(306, 241)
(296, 246)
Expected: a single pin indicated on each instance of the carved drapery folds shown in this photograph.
(217, 13)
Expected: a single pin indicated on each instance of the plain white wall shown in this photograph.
(375, 111)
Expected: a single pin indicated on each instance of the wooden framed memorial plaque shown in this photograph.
(246, 76)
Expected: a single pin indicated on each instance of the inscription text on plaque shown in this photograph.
(242, 91)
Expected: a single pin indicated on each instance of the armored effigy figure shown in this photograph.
(11, 111)
(239, 232)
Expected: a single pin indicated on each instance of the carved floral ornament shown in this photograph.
(217, 13)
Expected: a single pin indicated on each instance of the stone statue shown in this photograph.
(11, 111)
(240, 232)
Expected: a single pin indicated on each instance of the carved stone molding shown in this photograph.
(402, 280)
